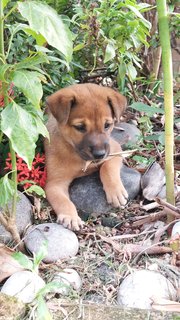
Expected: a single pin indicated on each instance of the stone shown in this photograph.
(24, 285)
(95, 298)
(153, 181)
(88, 195)
(126, 137)
(106, 274)
(138, 288)
(61, 242)
(69, 279)
(23, 218)
(176, 229)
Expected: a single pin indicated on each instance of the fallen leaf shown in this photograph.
(8, 265)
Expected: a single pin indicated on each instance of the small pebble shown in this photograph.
(70, 279)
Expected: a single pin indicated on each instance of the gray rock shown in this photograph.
(24, 285)
(152, 181)
(128, 136)
(95, 298)
(106, 274)
(88, 195)
(61, 242)
(139, 288)
(23, 218)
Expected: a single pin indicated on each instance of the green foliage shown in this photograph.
(149, 110)
(30, 264)
(6, 190)
(36, 189)
(112, 32)
(26, 28)
(22, 128)
(44, 20)
(33, 266)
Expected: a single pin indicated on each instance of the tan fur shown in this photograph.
(91, 108)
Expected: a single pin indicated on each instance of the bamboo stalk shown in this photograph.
(168, 99)
(1, 32)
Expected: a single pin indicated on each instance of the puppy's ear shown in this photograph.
(118, 104)
(60, 104)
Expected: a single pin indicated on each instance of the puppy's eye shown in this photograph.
(80, 127)
(107, 125)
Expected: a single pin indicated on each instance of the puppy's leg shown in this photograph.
(57, 194)
(116, 194)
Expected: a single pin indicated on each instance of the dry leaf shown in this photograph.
(8, 265)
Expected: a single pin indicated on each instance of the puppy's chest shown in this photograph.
(89, 167)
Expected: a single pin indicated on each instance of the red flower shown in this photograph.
(37, 173)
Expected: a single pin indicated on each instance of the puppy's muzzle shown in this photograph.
(98, 153)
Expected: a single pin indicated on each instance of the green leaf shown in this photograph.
(142, 107)
(37, 116)
(6, 190)
(50, 287)
(40, 40)
(29, 82)
(139, 15)
(42, 310)
(79, 47)
(141, 159)
(159, 137)
(110, 52)
(19, 126)
(132, 73)
(42, 253)
(32, 61)
(4, 72)
(37, 189)
(23, 260)
(5, 2)
(177, 120)
(122, 70)
(45, 21)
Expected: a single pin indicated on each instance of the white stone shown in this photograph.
(138, 289)
(176, 229)
(70, 279)
(23, 285)
(61, 242)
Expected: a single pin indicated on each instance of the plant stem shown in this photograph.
(168, 98)
(14, 178)
(1, 31)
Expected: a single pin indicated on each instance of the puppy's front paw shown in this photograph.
(72, 222)
(117, 196)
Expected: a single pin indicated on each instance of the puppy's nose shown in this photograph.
(98, 154)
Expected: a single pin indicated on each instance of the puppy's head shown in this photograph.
(85, 115)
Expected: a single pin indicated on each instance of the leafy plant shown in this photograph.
(21, 117)
(112, 33)
(32, 265)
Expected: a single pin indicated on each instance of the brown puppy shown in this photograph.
(81, 120)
